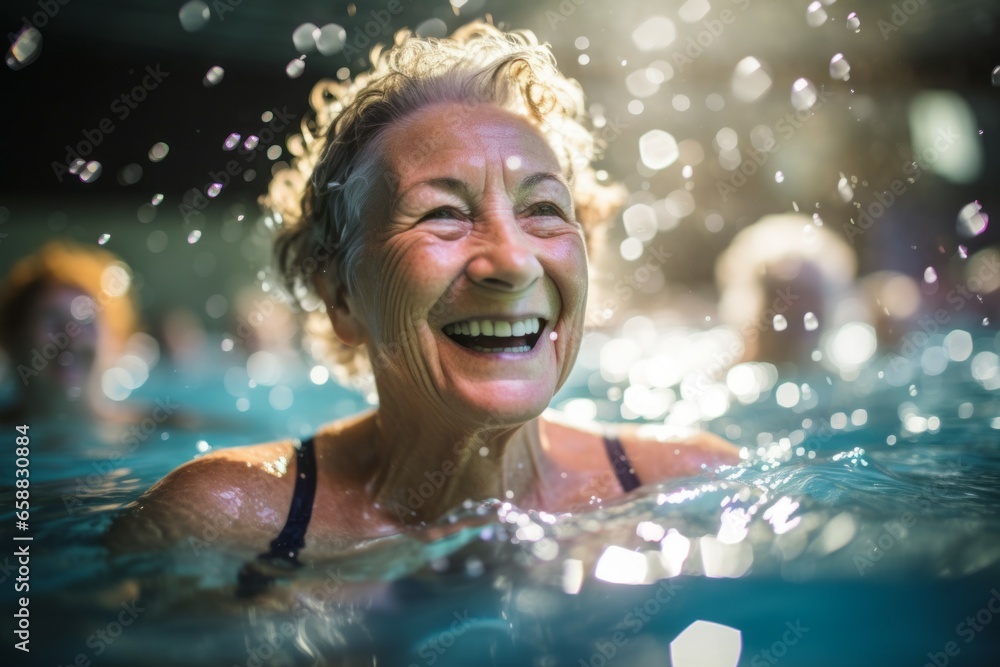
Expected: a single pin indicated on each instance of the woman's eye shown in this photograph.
(441, 214)
(547, 210)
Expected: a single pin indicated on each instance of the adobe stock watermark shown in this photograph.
(931, 323)
(967, 630)
(101, 639)
(704, 379)
(40, 357)
(47, 10)
(288, 630)
(779, 649)
(379, 25)
(565, 9)
(785, 127)
(121, 107)
(633, 621)
(194, 201)
(900, 15)
(437, 645)
(912, 171)
(696, 45)
(626, 286)
(894, 531)
(95, 483)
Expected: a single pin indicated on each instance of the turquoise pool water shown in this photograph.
(827, 546)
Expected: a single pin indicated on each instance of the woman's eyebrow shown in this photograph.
(532, 181)
(448, 184)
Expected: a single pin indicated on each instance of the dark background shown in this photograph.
(94, 51)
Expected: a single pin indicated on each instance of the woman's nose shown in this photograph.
(505, 258)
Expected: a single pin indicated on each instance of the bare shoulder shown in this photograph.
(660, 452)
(235, 497)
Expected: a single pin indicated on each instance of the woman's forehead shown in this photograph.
(451, 135)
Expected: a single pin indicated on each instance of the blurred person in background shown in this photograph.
(781, 282)
(65, 316)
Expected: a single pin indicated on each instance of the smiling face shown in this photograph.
(472, 288)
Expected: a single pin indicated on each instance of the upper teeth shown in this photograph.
(497, 328)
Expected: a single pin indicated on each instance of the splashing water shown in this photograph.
(90, 171)
(750, 81)
(194, 15)
(25, 49)
(295, 68)
(251, 142)
(156, 200)
(231, 141)
(815, 14)
(840, 69)
(304, 38)
(214, 189)
(158, 151)
(810, 322)
(853, 22)
(213, 76)
(930, 275)
(971, 220)
(780, 323)
(103, 238)
(331, 39)
(658, 149)
(779, 177)
(194, 236)
(804, 94)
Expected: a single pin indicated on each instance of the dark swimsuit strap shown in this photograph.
(620, 463)
(284, 551)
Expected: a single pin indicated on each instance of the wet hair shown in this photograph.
(95, 272)
(319, 203)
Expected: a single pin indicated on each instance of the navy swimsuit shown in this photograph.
(284, 551)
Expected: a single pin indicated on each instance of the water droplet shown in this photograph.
(963, 252)
(331, 39)
(930, 275)
(840, 69)
(194, 236)
(815, 14)
(251, 142)
(194, 15)
(845, 189)
(779, 177)
(750, 81)
(658, 149)
(76, 165)
(156, 200)
(913, 390)
(103, 238)
(818, 221)
(804, 94)
(90, 171)
(231, 141)
(304, 38)
(130, 174)
(214, 189)
(213, 76)
(810, 322)
(996, 76)
(971, 220)
(780, 323)
(986, 321)
(25, 49)
(853, 22)
(295, 68)
(158, 151)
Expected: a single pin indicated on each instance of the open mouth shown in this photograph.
(497, 335)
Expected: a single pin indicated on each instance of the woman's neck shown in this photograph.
(426, 467)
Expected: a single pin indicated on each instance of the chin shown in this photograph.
(507, 402)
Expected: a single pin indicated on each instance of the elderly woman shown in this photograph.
(447, 198)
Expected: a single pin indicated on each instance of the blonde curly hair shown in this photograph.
(319, 202)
